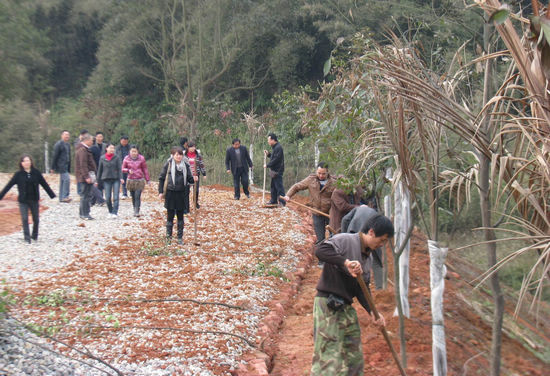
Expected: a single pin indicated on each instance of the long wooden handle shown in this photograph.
(368, 296)
(307, 207)
(263, 189)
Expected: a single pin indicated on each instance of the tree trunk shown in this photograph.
(485, 205)
(437, 285)
(388, 213)
(402, 222)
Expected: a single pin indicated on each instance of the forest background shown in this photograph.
(212, 70)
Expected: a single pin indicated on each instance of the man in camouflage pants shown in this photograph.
(337, 336)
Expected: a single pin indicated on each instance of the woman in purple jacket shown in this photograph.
(135, 166)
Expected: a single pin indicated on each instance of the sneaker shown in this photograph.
(236, 198)
(114, 216)
(247, 196)
(66, 200)
(123, 197)
(86, 218)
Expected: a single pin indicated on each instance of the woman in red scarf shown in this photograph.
(197, 167)
(109, 173)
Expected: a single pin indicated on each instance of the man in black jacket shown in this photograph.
(238, 162)
(61, 163)
(336, 331)
(276, 168)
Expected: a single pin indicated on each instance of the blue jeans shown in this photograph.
(277, 190)
(85, 199)
(319, 225)
(240, 177)
(112, 187)
(24, 208)
(64, 185)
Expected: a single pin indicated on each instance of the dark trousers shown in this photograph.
(319, 225)
(24, 208)
(85, 199)
(196, 190)
(170, 222)
(124, 190)
(136, 200)
(97, 196)
(277, 190)
(240, 177)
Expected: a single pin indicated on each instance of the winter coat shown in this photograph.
(109, 170)
(355, 219)
(83, 163)
(231, 161)
(318, 198)
(98, 151)
(180, 183)
(23, 181)
(199, 164)
(122, 151)
(341, 204)
(61, 161)
(277, 159)
(135, 168)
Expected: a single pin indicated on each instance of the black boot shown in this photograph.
(169, 227)
(180, 232)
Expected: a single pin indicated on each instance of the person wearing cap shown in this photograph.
(122, 150)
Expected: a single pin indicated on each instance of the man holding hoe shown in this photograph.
(336, 332)
(320, 186)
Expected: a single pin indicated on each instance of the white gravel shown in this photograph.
(65, 238)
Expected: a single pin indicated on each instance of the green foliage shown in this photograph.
(19, 133)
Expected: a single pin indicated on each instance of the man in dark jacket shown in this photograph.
(276, 169)
(98, 149)
(122, 150)
(84, 170)
(336, 331)
(238, 162)
(61, 163)
(99, 146)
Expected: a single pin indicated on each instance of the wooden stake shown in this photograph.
(369, 299)
(195, 188)
(263, 189)
(307, 207)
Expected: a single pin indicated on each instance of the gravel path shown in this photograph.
(63, 237)
(104, 272)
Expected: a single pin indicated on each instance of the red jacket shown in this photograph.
(135, 168)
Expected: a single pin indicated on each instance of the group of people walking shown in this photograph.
(357, 231)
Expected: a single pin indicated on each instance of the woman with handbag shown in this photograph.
(138, 175)
(28, 179)
(174, 182)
